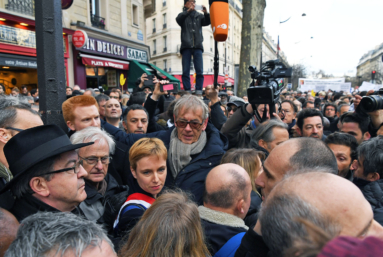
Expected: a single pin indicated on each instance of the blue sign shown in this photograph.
(129, 33)
(140, 36)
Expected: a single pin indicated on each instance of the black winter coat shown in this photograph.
(255, 205)
(252, 245)
(192, 177)
(30, 205)
(191, 28)
(373, 192)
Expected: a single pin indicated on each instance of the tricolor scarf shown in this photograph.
(135, 199)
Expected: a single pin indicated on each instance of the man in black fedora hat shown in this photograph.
(47, 175)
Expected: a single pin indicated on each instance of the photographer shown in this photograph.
(235, 128)
(375, 116)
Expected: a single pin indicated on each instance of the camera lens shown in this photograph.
(372, 103)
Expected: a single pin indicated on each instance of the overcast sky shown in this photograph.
(342, 31)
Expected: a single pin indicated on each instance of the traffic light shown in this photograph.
(373, 75)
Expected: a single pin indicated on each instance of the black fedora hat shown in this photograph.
(35, 145)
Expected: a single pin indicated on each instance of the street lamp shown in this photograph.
(280, 22)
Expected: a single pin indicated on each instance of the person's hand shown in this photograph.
(357, 100)
(204, 10)
(276, 116)
(190, 5)
(157, 89)
(212, 94)
(144, 77)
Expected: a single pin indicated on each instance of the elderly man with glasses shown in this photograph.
(194, 145)
(47, 173)
(100, 186)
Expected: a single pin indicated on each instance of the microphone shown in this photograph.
(219, 18)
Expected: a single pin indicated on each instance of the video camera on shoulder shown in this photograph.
(268, 89)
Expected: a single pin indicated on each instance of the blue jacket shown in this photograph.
(192, 177)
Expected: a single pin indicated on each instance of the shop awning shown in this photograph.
(104, 62)
(208, 80)
(138, 68)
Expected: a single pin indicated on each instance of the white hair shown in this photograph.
(93, 134)
(191, 102)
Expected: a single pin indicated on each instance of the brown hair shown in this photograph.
(75, 101)
(247, 159)
(170, 227)
(115, 90)
(146, 147)
(16, 89)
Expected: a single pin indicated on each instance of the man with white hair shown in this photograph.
(100, 186)
(194, 145)
(60, 234)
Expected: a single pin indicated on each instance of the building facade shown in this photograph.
(371, 61)
(164, 38)
(116, 43)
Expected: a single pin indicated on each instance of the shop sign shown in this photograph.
(16, 62)
(79, 38)
(98, 46)
(140, 36)
(105, 63)
(135, 54)
(17, 36)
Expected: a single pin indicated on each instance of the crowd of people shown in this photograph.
(151, 173)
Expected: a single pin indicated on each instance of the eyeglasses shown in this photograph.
(95, 160)
(115, 97)
(192, 124)
(232, 108)
(75, 168)
(16, 129)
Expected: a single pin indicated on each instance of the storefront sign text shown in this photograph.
(136, 54)
(17, 36)
(14, 62)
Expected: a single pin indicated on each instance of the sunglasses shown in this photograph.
(192, 124)
(232, 108)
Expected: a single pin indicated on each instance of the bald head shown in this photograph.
(8, 230)
(330, 202)
(295, 154)
(226, 185)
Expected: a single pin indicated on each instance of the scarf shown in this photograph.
(180, 153)
(102, 187)
(5, 173)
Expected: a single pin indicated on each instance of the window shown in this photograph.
(211, 64)
(165, 44)
(228, 52)
(211, 43)
(154, 46)
(155, 63)
(95, 7)
(135, 15)
(165, 65)
(164, 3)
(164, 19)
(154, 25)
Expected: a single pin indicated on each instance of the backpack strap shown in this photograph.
(231, 246)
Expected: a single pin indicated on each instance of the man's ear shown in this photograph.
(124, 125)
(241, 206)
(39, 186)
(262, 143)
(366, 136)
(204, 125)
(4, 136)
(133, 172)
(373, 176)
(354, 165)
(299, 132)
(70, 125)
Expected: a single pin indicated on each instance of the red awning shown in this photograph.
(104, 62)
(208, 80)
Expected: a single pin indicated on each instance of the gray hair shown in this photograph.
(45, 233)
(8, 114)
(92, 91)
(313, 153)
(6, 101)
(101, 97)
(93, 134)
(265, 131)
(339, 108)
(191, 102)
(280, 225)
(125, 96)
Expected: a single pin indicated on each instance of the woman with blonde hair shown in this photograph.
(147, 159)
(251, 160)
(170, 227)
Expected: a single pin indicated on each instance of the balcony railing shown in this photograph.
(97, 21)
(26, 7)
(154, 52)
(154, 30)
(165, 49)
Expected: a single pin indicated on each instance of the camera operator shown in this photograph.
(375, 116)
(235, 128)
